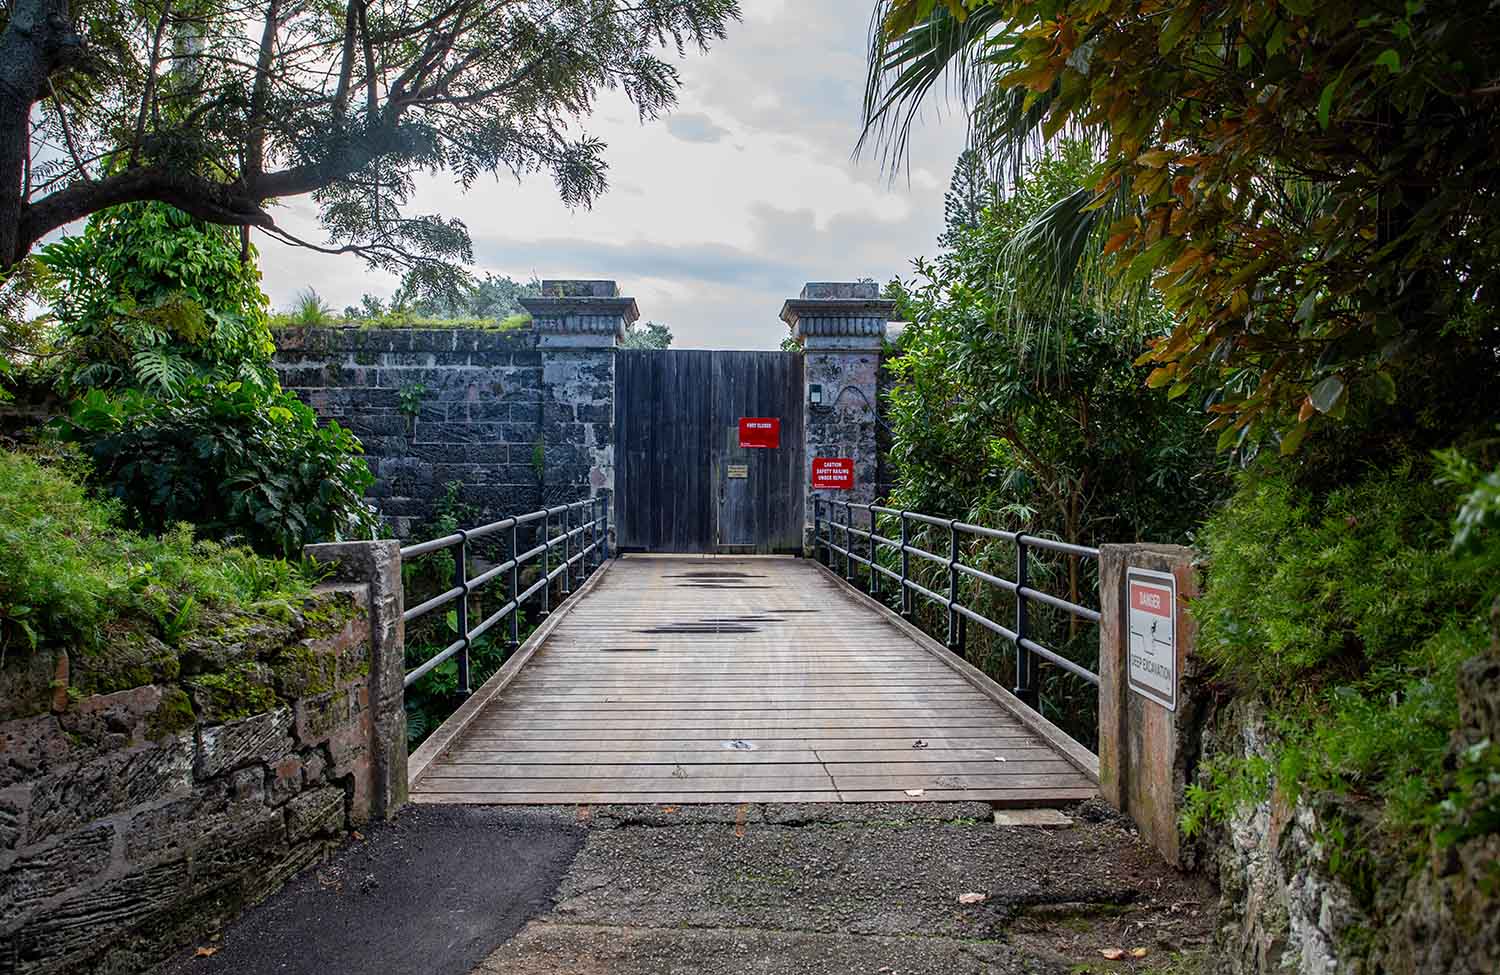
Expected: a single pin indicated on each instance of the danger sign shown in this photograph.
(1152, 605)
(760, 431)
(833, 473)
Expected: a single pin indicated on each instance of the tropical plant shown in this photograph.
(309, 309)
(240, 462)
(218, 109)
(1310, 187)
(149, 297)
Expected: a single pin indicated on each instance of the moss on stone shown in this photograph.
(301, 671)
(326, 613)
(173, 715)
(239, 691)
(128, 657)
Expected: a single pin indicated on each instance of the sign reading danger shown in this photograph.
(833, 473)
(1152, 612)
(760, 431)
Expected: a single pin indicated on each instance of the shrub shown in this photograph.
(1350, 613)
(71, 571)
(149, 297)
(241, 462)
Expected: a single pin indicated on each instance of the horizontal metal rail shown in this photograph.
(583, 538)
(830, 530)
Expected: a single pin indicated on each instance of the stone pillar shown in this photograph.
(1145, 745)
(377, 565)
(579, 326)
(841, 327)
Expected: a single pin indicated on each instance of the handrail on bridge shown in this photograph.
(578, 560)
(1028, 650)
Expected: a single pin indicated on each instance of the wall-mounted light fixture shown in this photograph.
(815, 393)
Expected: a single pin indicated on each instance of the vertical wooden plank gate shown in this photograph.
(684, 483)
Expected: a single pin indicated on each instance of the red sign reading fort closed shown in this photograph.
(760, 431)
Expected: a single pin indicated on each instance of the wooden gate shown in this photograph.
(683, 482)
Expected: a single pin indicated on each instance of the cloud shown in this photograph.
(695, 127)
(722, 210)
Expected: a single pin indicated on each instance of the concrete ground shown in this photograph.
(804, 889)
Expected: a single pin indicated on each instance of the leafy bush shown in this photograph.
(149, 297)
(71, 570)
(1350, 614)
(240, 461)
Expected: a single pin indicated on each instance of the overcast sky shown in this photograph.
(716, 213)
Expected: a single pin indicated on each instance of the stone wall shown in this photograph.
(1286, 905)
(432, 406)
(515, 418)
(148, 794)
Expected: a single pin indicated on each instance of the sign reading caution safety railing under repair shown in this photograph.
(1152, 605)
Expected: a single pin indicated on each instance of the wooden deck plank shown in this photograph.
(782, 688)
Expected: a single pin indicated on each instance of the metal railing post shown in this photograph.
(546, 568)
(953, 637)
(1026, 675)
(515, 587)
(567, 573)
(461, 581)
(874, 576)
(604, 516)
(905, 567)
(848, 543)
(819, 552)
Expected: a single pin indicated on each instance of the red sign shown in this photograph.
(1151, 599)
(833, 473)
(760, 431)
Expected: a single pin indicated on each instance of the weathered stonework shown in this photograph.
(516, 418)
(841, 328)
(431, 406)
(131, 824)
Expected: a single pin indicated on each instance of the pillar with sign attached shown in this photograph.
(841, 329)
(1146, 665)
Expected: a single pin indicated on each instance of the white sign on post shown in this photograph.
(1152, 601)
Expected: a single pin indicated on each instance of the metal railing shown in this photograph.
(1028, 650)
(585, 546)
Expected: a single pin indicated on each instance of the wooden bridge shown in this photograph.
(679, 679)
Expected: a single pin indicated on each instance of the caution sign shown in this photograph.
(760, 431)
(833, 473)
(1152, 613)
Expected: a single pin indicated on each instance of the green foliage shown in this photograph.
(1350, 614)
(410, 398)
(310, 310)
(73, 575)
(148, 297)
(1309, 186)
(1054, 436)
(647, 335)
(1479, 508)
(238, 460)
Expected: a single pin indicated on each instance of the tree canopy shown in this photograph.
(220, 106)
(1310, 186)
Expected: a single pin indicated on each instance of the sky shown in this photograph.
(717, 212)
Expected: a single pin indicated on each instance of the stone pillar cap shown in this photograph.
(839, 315)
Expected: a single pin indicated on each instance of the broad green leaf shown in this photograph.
(1328, 394)
(1390, 60)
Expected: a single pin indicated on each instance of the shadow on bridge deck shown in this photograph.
(727, 679)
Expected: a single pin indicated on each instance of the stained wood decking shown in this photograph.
(701, 679)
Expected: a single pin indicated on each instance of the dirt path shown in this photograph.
(718, 889)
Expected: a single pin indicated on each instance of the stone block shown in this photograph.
(87, 924)
(260, 739)
(34, 878)
(77, 795)
(31, 746)
(14, 803)
(285, 780)
(319, 812)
